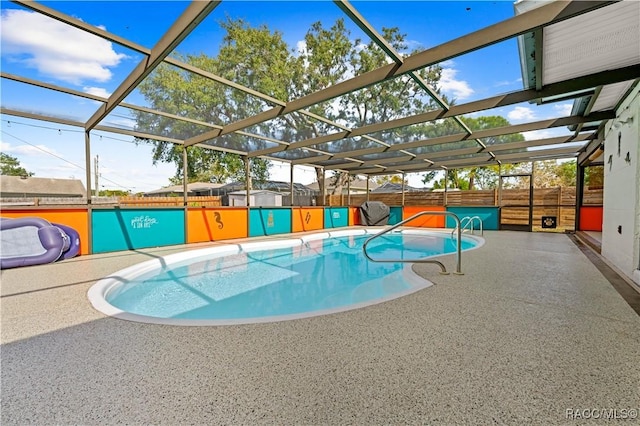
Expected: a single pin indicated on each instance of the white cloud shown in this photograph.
(458, 88)
(96, 91)
(56, 49)
(413, 45)
(28, 150)
(503, 83)
(544, 133)
(520, 113)
(301, 48)
(563, 110)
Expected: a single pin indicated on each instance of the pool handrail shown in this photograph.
(402, 222)
(466, 221)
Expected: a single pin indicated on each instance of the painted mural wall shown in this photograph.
(621, 206)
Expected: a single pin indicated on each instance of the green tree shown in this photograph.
(113, 193)
(245, 57)
(380, 102)
(10, 166)
(381, 180)
(260, 59)
(474, 177)
(552, 173)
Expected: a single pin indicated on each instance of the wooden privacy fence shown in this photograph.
(559, 202)
(565, 196)
(193, 201)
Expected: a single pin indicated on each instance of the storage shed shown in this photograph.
(257, 198)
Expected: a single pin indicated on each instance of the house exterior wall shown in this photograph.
(621, 205)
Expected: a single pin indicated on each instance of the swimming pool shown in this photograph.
(271, 280)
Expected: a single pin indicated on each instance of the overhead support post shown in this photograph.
(247, 178)
(446, 184)
(87, 168)
(531, 186)
(291, 166)
(324, 187)
(403, 189)
(185, 174)
(579, 193)
(499, 187)
(349, 191)
(367, 187)
(185, 190)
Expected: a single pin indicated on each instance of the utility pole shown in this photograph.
(96, 174)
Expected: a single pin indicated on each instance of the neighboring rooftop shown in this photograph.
(18, 186)
(271, 185)
(396, 187)
(357, 185)
(195, 188)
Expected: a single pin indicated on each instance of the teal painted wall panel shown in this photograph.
(395, 215)
(266, 221)
(130, 229)
(489, 216)
(335, 217)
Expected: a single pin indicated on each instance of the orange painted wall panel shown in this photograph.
(211, 224)
(426, 221)
(354, 216)
(307, 219)
(591, 219)
(199, 228)
(74, 218)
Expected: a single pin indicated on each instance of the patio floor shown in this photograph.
(532, 329)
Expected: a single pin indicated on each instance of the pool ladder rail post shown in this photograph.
(468, 221)
(443, 269)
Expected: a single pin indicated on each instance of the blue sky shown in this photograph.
(36, 47)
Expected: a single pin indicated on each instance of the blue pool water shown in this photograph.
(315, 276)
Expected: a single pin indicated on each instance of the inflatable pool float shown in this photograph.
(32, 241)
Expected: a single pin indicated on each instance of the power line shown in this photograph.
(63, 159)
(60, 130)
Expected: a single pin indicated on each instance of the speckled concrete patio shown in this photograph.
(532, 329)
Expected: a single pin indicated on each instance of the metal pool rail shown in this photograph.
(468, 221)
(442, 267)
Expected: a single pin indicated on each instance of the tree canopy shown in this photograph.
(476, 177)
(10, 166)
(260, 59)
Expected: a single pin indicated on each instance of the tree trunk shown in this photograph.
(341, 180)
(320, 179)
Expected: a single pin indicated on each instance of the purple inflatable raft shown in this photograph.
(32, 241)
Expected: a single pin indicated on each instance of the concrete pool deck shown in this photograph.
(533, 329)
